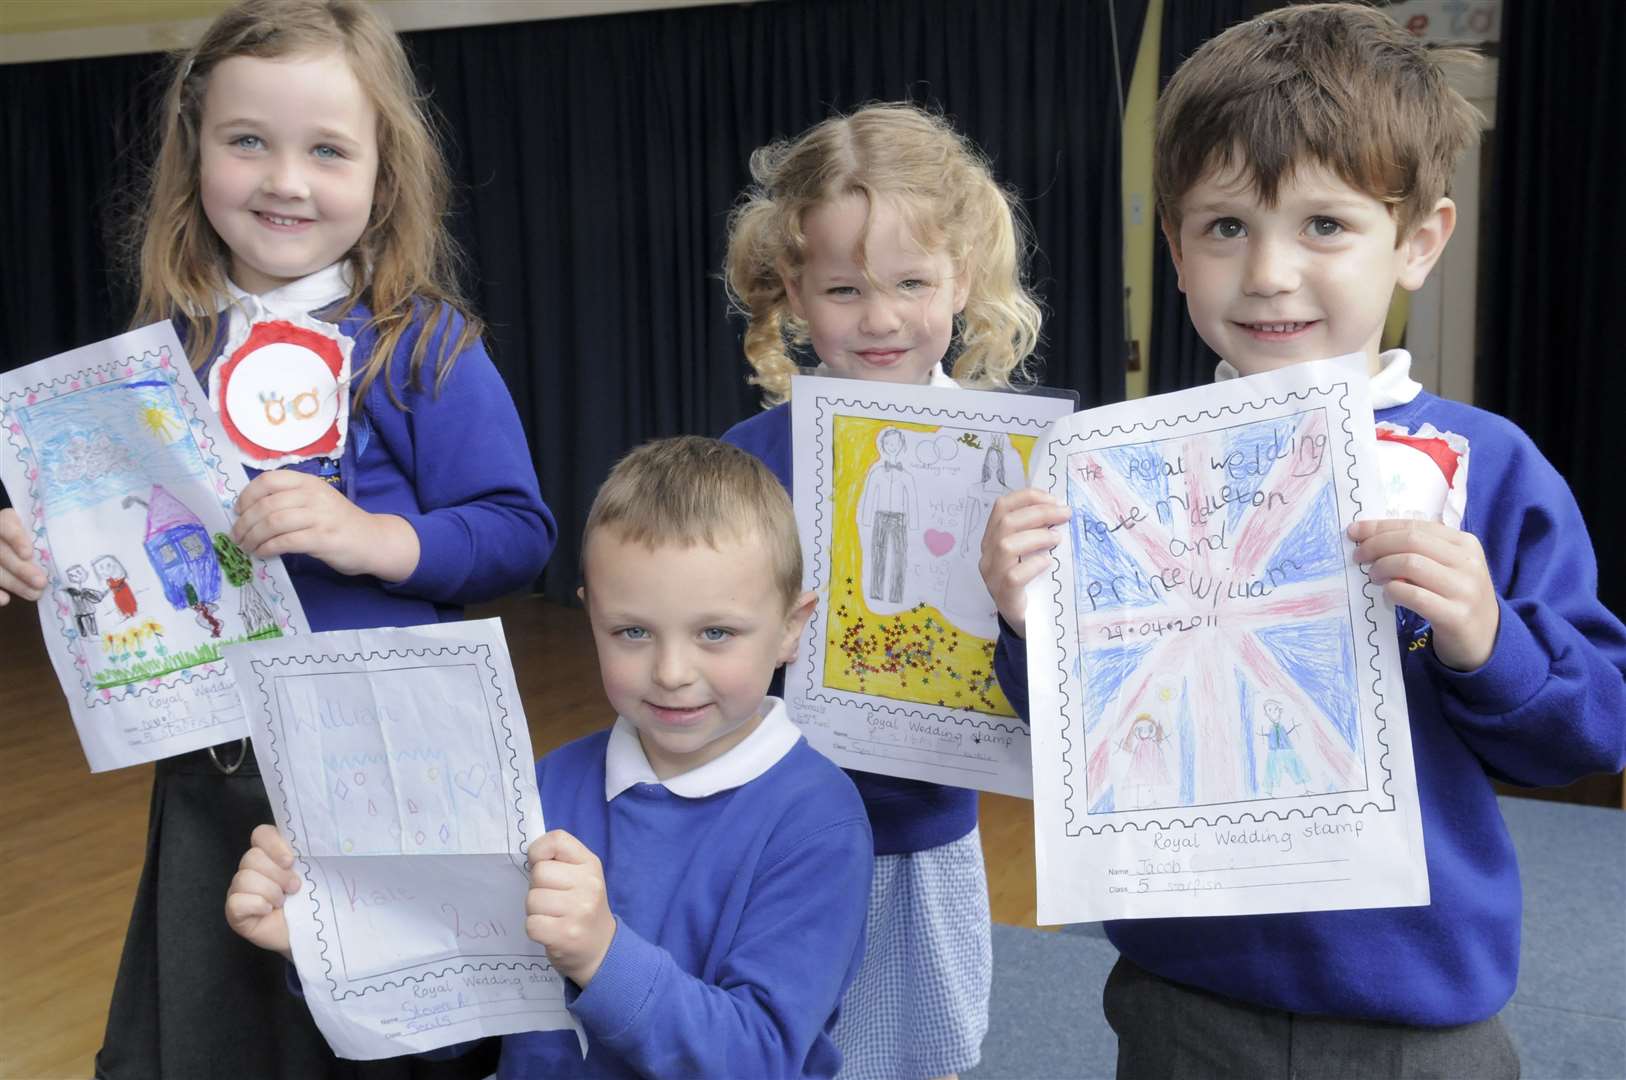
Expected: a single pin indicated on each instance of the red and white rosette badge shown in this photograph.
(1425, 473)
(282, 390)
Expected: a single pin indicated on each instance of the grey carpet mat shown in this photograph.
(1568, 1015)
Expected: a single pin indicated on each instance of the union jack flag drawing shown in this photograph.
(1215, 626)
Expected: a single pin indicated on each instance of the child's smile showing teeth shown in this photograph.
(279, 221)
(1278, 330)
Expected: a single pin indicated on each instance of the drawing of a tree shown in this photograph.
(239, 570)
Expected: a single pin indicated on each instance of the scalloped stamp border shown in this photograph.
(813, 690)
(503, 717)
(1162, 428)
(147, 366)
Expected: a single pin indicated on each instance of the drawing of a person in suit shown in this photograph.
(1281, 756)
(84, 601)
(890, 506)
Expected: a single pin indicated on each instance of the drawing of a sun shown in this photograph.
(160, 422)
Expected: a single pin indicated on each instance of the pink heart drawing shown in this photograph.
(939, 543)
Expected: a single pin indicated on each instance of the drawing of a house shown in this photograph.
(180, 550)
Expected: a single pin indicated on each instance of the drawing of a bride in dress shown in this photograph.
(965, 595)
(1146, 776)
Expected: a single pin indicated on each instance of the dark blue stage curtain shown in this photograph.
(1180, 359)
(597, 160)
(1553, 310)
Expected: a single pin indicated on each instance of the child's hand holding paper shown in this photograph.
(20, 575)
(264, 877)
(567, 910)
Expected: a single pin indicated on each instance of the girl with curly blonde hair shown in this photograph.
(884, 164)
(875, 246)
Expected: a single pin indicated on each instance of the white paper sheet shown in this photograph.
(113, 457)
(399, 767)
(893, 488)
(1219, 719)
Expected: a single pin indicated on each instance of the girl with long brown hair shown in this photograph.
(294, 227)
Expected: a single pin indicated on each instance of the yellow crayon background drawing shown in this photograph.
(919, 655)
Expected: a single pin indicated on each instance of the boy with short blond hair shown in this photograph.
(1302, 160)
(705, 884)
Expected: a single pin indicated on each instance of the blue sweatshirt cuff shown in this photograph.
(1011, 669)
(439, 574)
(1517, 669)
(619, 993)
(1013, 643)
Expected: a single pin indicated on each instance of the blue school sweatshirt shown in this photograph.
(905, 815)
(1547, 707)
(739, 890)
(454, 464)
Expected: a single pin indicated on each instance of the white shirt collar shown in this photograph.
(313, 292)
(626, 764)
(939, 378)
(1391, 386)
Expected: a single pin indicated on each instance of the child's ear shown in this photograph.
(793, 291)
(962, 289)
(1423, 248)
(1172, 235)
(581, 594)
(795, 622)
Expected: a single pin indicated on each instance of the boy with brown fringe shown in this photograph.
(1301, 166)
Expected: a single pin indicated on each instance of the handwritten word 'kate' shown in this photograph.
(361, 897)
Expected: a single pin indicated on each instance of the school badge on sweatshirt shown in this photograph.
(281, 387)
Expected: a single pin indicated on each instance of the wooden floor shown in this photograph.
(71, 841)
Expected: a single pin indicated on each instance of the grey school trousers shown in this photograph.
(1167, 1031)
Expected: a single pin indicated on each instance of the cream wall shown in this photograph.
(1139, 221)
(33, 16)
(62, 29)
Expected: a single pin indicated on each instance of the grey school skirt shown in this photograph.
(193, 999)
